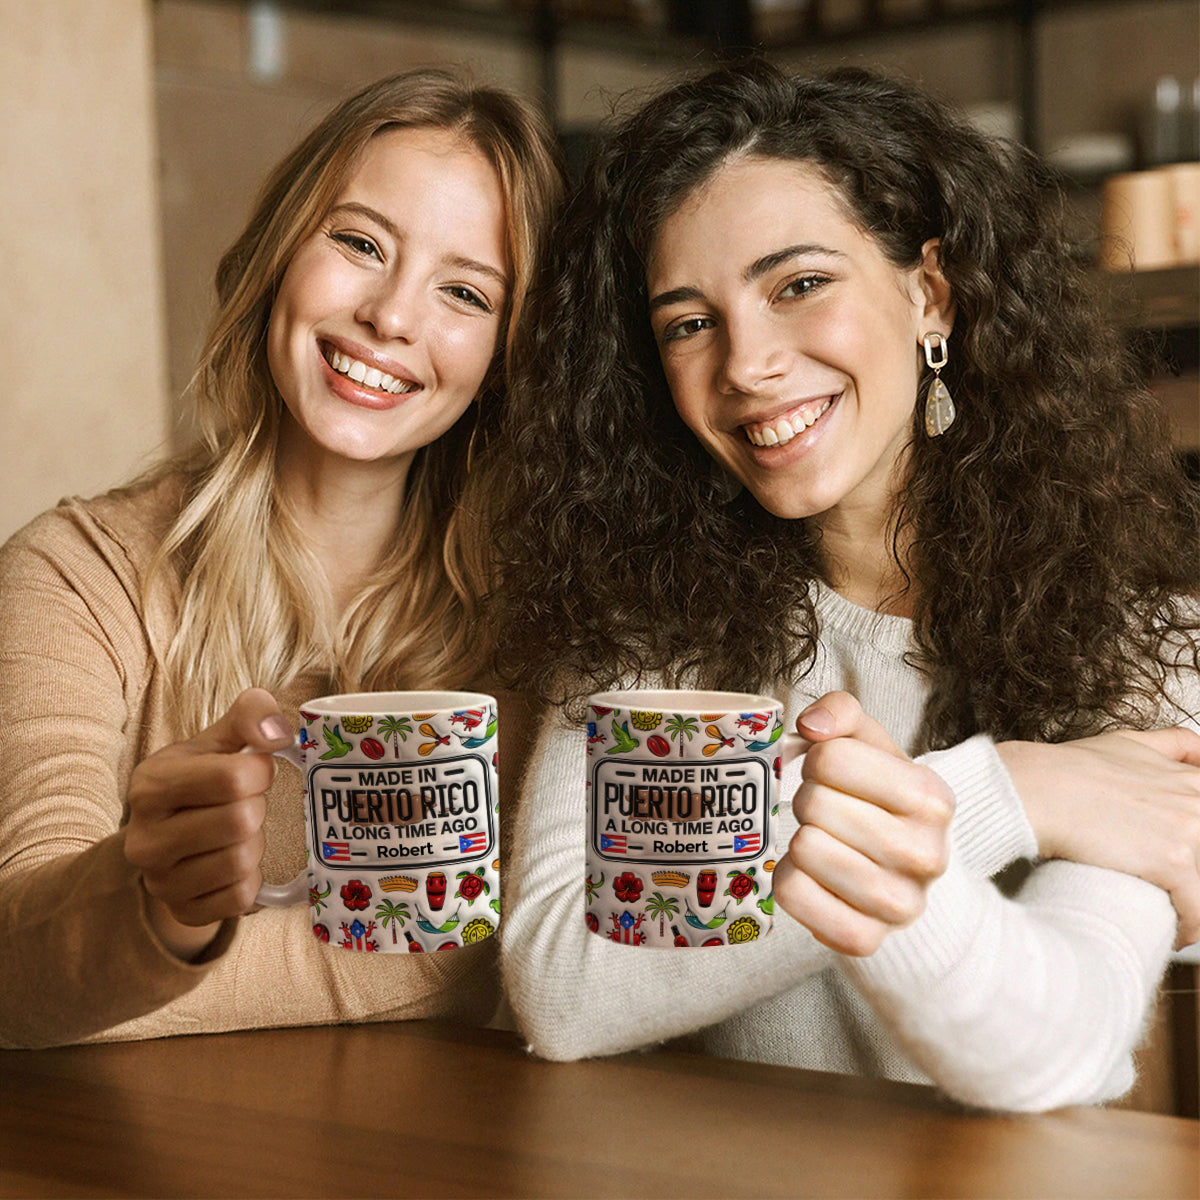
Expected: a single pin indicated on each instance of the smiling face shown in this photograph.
(387, 317)
(789, 340)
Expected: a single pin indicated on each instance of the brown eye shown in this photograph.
(358, 244)
(468, 296)
(803, 286)
(688, 327)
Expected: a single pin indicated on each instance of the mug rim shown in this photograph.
(683, 700)
(388, 703)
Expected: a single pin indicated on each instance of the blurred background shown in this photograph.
(136, 132)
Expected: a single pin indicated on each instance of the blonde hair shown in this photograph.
(254, 607)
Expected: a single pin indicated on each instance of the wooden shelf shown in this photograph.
(1165, 299)
(1161, 311)
(551, 25)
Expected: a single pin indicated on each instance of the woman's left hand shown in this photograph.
(1127, 800)
(874, 831)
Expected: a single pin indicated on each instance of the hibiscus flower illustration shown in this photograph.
(356, 895)
(628, 887)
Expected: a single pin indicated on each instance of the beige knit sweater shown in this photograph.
(81, 703)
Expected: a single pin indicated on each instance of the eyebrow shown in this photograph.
(762, 266)
(459, 261)
(756, 270)
(674, 296)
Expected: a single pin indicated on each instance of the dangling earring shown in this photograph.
(939, 407)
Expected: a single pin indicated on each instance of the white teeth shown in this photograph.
(781, 431)
(369, 376)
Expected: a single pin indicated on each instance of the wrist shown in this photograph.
(1030, 778)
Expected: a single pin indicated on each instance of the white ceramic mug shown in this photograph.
(682, 795)
(400, 807)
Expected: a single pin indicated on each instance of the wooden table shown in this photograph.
(421, 1109)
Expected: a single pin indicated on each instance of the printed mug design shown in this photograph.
(404, 850)
(681, 825)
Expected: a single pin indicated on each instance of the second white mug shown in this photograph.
(682, 796)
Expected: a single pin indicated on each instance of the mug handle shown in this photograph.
(281, 895)
(792, 746)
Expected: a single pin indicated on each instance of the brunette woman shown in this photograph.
(821, 406)
(156, 641)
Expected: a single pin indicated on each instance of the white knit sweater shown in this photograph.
(1024, 1004)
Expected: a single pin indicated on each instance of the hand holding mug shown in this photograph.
(874, 831)
(196, 812)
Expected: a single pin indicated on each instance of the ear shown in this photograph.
(938, 315)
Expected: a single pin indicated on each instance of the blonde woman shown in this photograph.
(156, 642)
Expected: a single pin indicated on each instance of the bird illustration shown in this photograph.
(338, 746)
(470, 743)
(625, 742)
(774, 736)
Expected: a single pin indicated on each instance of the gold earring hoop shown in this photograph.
(939, 407)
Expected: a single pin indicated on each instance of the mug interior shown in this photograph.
(684, 700)
(390, 703)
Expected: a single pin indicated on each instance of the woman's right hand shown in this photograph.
(196, 811)
(1127, 800)
(874, 831)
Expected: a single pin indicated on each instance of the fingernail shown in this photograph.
(818, 719)
(275, 729)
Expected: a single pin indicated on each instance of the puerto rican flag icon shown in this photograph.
(744, 845)
(471, 843)
(335, 851)
(614, 843)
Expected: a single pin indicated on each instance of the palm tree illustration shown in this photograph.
(395, 915)
(398, 729)
(661, 906)
(680, 726)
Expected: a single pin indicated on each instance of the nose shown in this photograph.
(754, 355)
(394, 308)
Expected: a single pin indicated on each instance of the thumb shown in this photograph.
(252, 722)
(839, 714)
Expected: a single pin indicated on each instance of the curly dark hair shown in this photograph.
(1053, 551)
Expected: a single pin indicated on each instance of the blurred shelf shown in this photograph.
(716, 28)
(1164, 299)
(1161, 311)
(626, 25)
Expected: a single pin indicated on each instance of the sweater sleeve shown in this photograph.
(575, 994)
(1035, 1002)
(1023, 1004)
(80, 955)
(1030, 1003)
